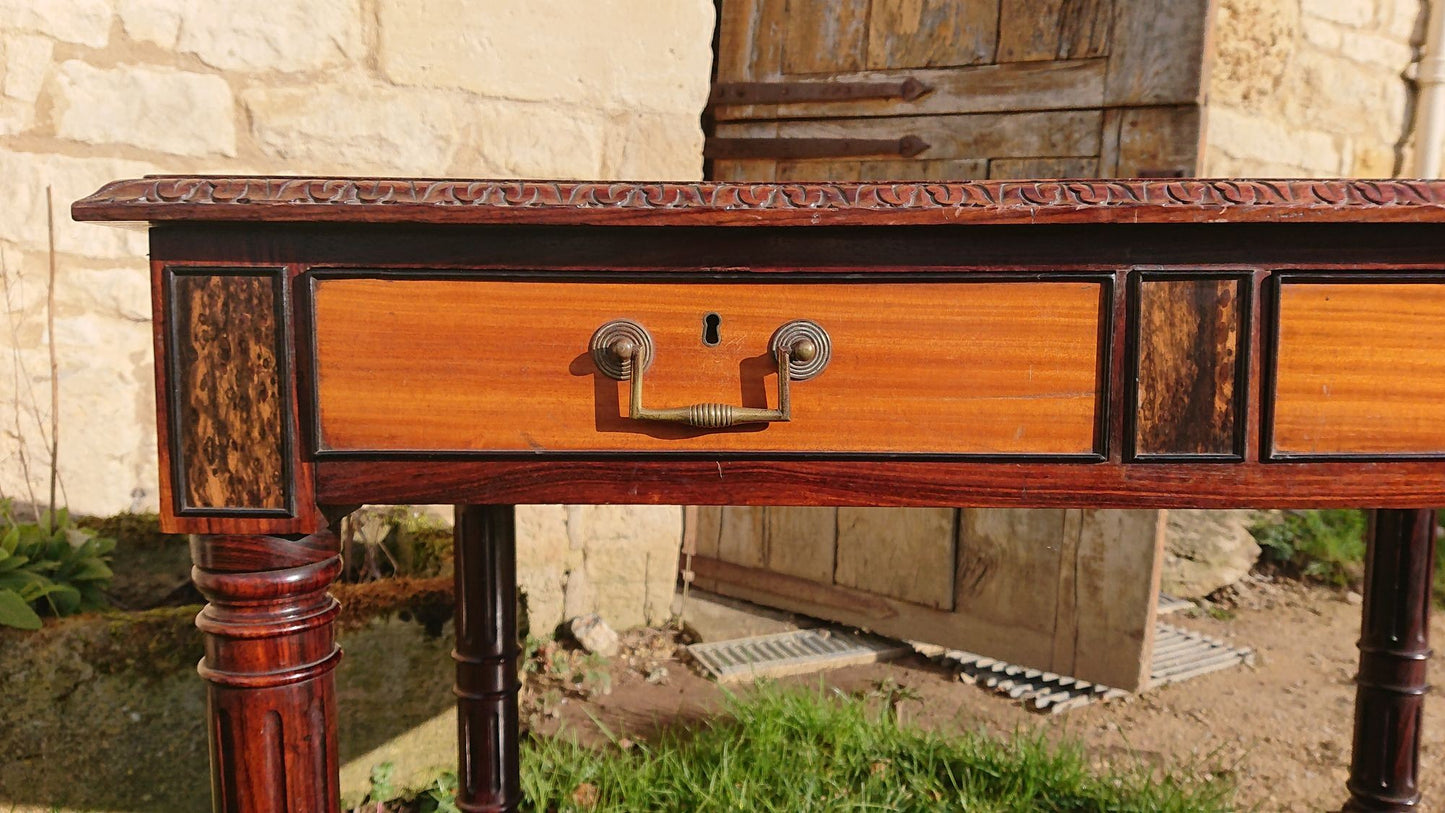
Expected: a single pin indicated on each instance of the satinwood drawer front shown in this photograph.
(407, 364)
(1360, 367)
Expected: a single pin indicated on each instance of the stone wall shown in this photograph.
(1312, 88)
(93, 90)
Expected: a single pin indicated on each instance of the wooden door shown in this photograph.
(988, 89)
(1071, 591)
(1014, 88)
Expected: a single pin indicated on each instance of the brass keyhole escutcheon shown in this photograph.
(711, 334)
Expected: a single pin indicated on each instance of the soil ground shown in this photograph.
(1282, 727)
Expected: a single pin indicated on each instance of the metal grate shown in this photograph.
(1178, 655)
(1181, 654)
(1169, 604)
(790, 653)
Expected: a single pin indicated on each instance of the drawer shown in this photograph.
(1360, 367)
(503, 366)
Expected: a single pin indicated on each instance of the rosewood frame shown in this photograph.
(269, 645)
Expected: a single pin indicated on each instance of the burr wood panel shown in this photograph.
(1359, 368)
(944, 368)
(1189, 353)
(229, 396)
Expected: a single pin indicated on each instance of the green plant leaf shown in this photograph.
(40, 588)
(19, 580)
(90, 570)
(64, 600)
(15, 612)
(381, 782)
(59, 521)
(65, 567)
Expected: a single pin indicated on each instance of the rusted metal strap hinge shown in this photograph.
(776, 147)
(735, 93)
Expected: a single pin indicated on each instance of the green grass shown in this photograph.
(790, 750)
(1329, 546)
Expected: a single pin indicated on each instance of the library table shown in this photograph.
(326, 342)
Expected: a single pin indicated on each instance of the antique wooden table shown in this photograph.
(322, 343)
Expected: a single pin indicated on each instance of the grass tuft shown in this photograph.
(1329, 546)
(1326, 546)
(791, 750)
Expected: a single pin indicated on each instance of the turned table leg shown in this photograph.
(1394, 647)
(489, 778)
(270, 652)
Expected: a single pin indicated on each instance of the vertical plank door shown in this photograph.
(822, 90)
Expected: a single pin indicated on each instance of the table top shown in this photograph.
(1071, 364)
(166, 198)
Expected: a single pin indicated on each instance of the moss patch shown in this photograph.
(427, 601)
(105, 711)
(137, 530)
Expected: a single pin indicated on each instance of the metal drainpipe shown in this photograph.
(1430, 115)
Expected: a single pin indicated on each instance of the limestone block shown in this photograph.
(154, 21)
(620, 54)
(1335, 94)
(1345, 12)
(1206, 550)
(580, 598)
(355, 129)
(16, 116)
(279, 35)
(542, 531)
(1254, 44)
(1406, 19)
(1322, 33)
(1260, 138)
(24, 63)
(27, 61)
(103, 341)
(595, 635)
(654, 146)
(529, 140)
(1388, 53)
(121, 293)
(1373, 161)
(156, 109)
(103, 432)
(543, 559)
(86, 22)
(23, 178)
(1219, 164)
(631, 561)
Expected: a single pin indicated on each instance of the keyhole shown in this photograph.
(710, 324)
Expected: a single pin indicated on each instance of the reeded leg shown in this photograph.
(270, 653)
(1394, 647)
(489, 778)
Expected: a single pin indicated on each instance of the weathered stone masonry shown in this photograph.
(93, 90)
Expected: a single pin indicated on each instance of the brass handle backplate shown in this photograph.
(623, 349)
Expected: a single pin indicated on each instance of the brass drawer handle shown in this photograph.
(623, 350)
